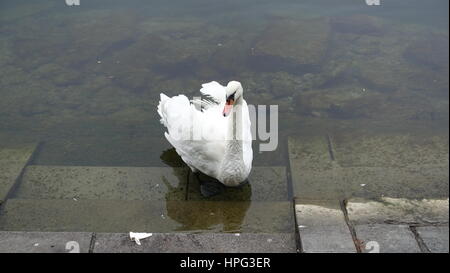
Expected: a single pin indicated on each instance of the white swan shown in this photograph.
(211, 135)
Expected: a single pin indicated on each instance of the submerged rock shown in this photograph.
(344, 102)
(284, 84)
(229, 59)
(106, 101)
(379, 62)
(358, 24)
(57, 74)
(433, 52)
(297, 46)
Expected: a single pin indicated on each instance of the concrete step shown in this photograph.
(340, 165)
(143, 183)
(146, 216)
(44, 242)
(385, 225)
(119, 149)
(83, 242)
(198, 243)
(323, 229)
(12, 161)
(115, 183)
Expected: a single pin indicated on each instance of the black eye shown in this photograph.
(231, 97)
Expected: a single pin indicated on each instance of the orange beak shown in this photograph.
(228, 107)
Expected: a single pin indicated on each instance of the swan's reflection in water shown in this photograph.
(220, 216)
(207, 204)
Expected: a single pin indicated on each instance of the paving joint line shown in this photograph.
(423, 247)
(298, 239)
(92, 242)
(356, 241)
(330, 147)
(290, 185)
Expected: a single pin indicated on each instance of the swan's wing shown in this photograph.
(198, 155)
(180, 117)
(247, 138)
(214, 95)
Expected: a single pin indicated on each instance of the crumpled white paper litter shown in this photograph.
(137, 236)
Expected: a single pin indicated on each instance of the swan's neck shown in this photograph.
(234, 149)
(232, 168)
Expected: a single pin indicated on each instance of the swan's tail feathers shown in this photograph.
(176, 114)
(162, 111)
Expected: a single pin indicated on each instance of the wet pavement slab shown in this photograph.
(44, 242)
(435, 238)
(197, 243)
(323, 229)
(84, 242)
(399, 225)
(384, 238)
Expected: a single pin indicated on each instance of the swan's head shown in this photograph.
(234, 93)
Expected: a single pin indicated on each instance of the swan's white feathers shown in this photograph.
(214, 91)
(213, 95)
(180, 116)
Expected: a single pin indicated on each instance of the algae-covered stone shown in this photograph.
(297, 45)
(398, 210)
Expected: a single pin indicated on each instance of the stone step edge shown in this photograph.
(14, 185)
(86, 242)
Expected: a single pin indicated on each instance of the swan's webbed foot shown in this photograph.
(243, 183)
(209, 186)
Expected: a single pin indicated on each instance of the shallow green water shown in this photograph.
(86, 79)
